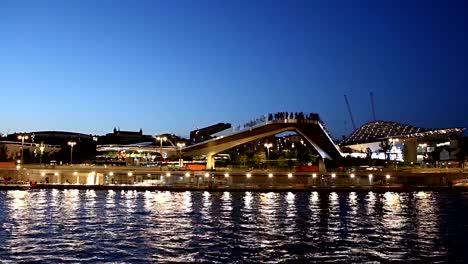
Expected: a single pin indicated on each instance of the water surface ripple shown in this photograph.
(75, 226)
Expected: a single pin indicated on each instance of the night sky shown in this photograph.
(171, 66)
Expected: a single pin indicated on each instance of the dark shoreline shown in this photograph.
(378, 189)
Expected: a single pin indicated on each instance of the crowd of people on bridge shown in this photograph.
(280, 116)
(257, 121)
(291, 115)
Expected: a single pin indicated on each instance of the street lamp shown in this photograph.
(180, 145)
(22, 138)
(268, 146)
(71, 144)
(41, 148)
(161, 139)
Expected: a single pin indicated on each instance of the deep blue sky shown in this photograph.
(170, 66)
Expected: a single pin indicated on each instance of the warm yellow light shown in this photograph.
(249, 175)
(370, 176)
(314, 175)
(111, 173)
(352, 175)
(333, 175)
(56, 174)
(207, 175)
(226, 175)
(161, 138)
(187, 174)
(75, 173)
(18, 167)
(270, 175)
(290, 175)
(42, 173)
(130, 173)
(168, 174)
(71, 143)
(18, 161)
(387, 176)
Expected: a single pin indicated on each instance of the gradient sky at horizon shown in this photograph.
(170, 66)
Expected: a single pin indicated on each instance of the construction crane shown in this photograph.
(350, 113)
(372, 105)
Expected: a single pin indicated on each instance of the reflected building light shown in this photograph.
(290, 197)
(314, 197)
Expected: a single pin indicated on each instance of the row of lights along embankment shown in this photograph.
(248, 175)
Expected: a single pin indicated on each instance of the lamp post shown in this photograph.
(41, 148)
(268, 146)
(161, 139)
(71, 144)
(180, 145)
(22, 138)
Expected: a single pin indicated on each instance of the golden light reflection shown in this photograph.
(290, 197)
(187, 201)
(19, 198)
(333, 197)
(393, 220)
(248, 200)
(148, 200)
(314, 197)
(352, 198)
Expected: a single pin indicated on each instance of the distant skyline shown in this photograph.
(171, 66)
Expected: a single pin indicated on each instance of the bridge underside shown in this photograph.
(313, 132)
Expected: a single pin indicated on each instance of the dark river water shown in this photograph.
(54, 226)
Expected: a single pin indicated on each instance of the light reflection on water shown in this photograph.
(145, 227)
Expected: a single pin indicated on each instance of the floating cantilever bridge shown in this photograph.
(311, 130)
